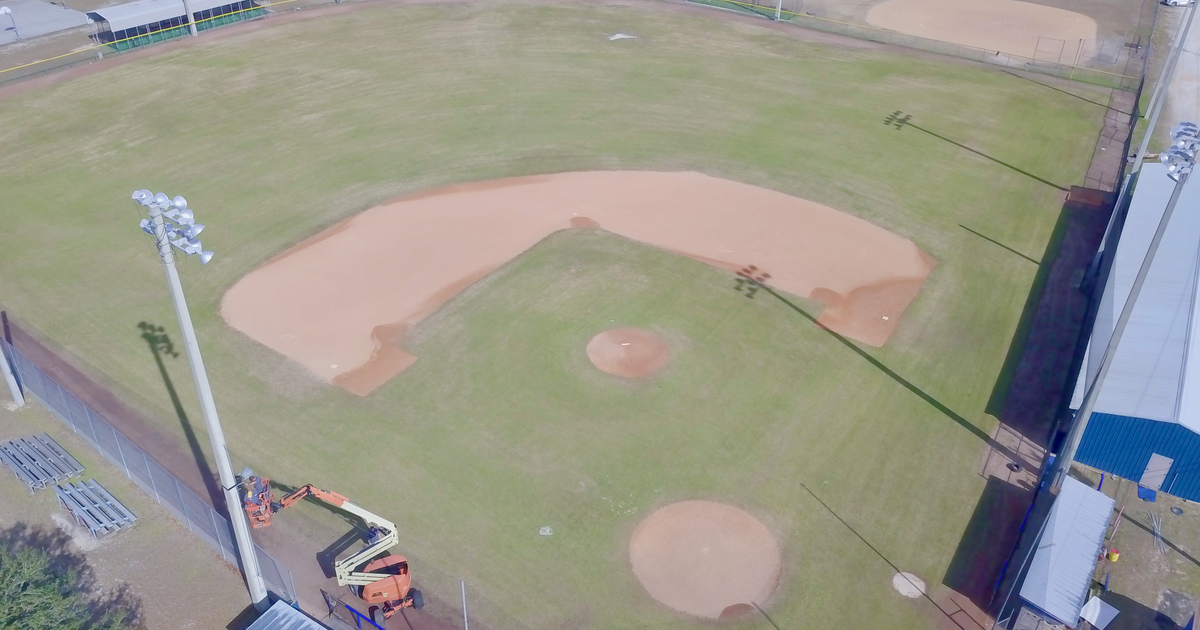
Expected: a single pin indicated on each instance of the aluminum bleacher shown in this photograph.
(93, 507)
(39, 461)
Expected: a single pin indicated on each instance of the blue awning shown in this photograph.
(1061, 571)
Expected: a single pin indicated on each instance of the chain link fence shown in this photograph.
(201, 519)
(1109, 62)
(1060, 59)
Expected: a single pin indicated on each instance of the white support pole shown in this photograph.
(1062, 464)
(778, 10)
(462, 586)
(11, 379)
(191, 20)
(241, 529)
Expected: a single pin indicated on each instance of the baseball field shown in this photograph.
(852, 457)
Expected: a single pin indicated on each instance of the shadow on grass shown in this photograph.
(1135, 615)
(920, 393)
(160, 345)
(1146, 528)
(906, 121)
(949, 614)
(998, 244)
(1051, 87)
(243, 620)
(56, 581)
(993, 530)
(1033, 385)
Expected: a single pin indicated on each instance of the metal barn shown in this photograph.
(1146, 424)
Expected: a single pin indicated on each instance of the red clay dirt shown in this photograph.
(339, 302)
(1024, 29)
(706, 559)
(628, 352)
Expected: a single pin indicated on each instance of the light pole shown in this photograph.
(173, 225)
(7, 11)
(191, 19)
(1179, 160)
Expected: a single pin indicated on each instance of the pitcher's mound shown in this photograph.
(628, 352)
(705, 558)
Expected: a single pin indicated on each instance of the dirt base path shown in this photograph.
(340, 301)
(1005, 26)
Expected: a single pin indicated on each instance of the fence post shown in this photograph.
(182, 504)
(150, 473)
(121, 452)
(462, 586)
(87, 414)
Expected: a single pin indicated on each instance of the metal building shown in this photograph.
(1146, 424)
(1061, 572)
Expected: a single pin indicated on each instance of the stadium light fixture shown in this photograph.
(7, 11)
(1179, 159)
(173, 226)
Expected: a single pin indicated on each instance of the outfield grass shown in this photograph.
(501, 427)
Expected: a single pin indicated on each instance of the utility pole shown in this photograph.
(1180, 160)
(181, 233)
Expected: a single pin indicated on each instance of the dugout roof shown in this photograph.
(1061, 570)
(280, 616)
(143, 12)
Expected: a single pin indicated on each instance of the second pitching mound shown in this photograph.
(628, 352)
(705, 558)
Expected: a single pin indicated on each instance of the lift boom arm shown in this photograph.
(344, 568)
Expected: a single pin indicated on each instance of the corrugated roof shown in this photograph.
(1122, 446)
(280, 616)
(1148, 377)
(143, 12)
(1061, 570)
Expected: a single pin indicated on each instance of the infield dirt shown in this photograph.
(1005, 26)
(340, 302)
(705, 558)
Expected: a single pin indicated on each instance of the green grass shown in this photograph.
(156, 559)
(501, 427)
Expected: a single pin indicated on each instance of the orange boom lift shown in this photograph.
(384, 580)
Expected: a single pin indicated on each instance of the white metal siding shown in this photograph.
(1061, 570)
(1147, 378)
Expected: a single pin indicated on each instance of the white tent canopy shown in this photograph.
(143, 12)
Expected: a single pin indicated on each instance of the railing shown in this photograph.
(93, 53)
(346, 613)
(201, 519)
